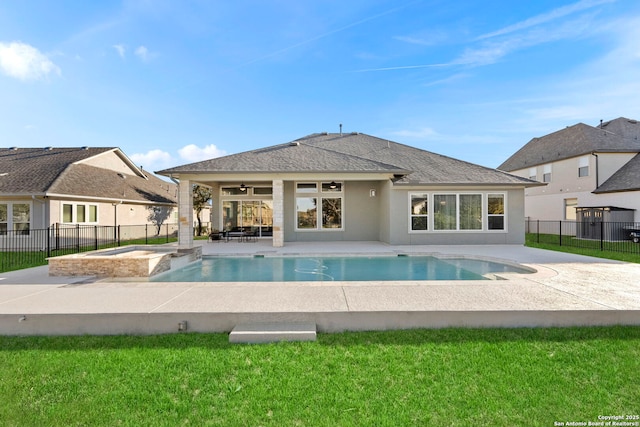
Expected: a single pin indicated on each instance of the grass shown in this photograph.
(629, 252)
(417, 377)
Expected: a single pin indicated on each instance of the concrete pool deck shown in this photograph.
(566, 290)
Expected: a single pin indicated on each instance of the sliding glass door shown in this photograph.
(248, 215)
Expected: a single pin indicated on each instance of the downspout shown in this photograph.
(597, 180)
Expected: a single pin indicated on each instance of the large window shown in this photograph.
(456, 212)
(445, 212)
(79, 213)
(319, 205)
(15, 217)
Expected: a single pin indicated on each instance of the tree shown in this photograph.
(158, 215)
(201, 197)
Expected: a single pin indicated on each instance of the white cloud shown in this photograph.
(424, 132)
(546, 17)
(120, 48)
(153, 160)
(143, 53)
(193, 153)
(24, 62)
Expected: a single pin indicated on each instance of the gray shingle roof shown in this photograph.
(354, 152)
(38, 171)
(619, 135)
(33, 170)
(627, 178)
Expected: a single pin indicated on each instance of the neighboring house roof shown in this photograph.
(619, 135)
(60, 172)
(627, 178)
(353, 153)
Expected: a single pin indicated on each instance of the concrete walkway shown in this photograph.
(566, 290)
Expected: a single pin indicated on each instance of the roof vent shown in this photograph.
(85, 148)
(48, 148)
(294, 143)
(324, 133)
(13, 148)
(355, 133)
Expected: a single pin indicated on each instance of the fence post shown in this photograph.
(118, 234)
(48, 242)
(95, 236)
(538, 231)
(560, 234)
(78, 237)
(146, 234)
(167, 233)
(602, 235)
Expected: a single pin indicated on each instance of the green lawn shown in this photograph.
(462, 377)
(621, 251)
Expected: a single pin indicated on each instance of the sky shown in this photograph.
(176, 82)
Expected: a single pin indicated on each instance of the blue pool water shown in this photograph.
(304, 269)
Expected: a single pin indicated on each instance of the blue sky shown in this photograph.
(173, 82)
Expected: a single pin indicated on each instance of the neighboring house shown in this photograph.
(356, 187)
(41, 187)
(590, 172)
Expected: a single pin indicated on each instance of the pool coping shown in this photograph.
(568, 290)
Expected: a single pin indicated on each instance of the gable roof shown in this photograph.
(60, 171)
(627, 178)
(619, 135)
(353, 153)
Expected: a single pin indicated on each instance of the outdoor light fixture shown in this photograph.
(243, 187)
(333, 185)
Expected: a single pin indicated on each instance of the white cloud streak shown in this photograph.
(24, 62)
(152, 160)
(193, 153)
(546, 17)
(120, 48)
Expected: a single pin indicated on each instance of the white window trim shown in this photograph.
(546, 169)
(74, 213)
(10, 218)
(428, 214)
(320, 195)
(485, 215)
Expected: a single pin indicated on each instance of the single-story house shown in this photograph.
(356, 187)
(43, 187)
(589, 170)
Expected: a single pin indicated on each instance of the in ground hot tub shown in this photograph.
(130, 261)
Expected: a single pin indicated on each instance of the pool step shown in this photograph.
(254, 333)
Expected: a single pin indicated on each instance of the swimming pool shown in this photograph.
(351, 268)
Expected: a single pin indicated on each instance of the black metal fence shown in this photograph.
(26, 248)
(600, 235)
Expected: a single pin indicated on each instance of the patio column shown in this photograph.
(185, 214)
(278, 213)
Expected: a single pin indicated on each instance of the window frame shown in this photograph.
(431, 212)
(319, 192)
(583, 167)
(547, 173)
(75, 209)
(10, 221)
